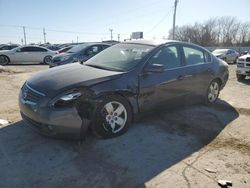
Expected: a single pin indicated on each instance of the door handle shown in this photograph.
(209, 70)
(180, 77)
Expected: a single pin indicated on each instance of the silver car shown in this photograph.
(228, 55)
(26, 54)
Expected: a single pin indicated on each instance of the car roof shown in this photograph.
(158, 42)
(151, 42)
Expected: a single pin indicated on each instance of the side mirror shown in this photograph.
(155, 68)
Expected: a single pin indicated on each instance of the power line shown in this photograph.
(111, 34)
(174, 16)
(161, 20)
(44, 35)
(24, 35)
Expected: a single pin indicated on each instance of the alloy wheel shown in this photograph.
(114, 116)
(3, 60)
(213, 91)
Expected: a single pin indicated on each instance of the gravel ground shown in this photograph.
(188, 147)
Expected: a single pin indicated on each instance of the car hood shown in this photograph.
(53, 81)
(245, 56)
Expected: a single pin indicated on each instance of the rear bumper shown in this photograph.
(52, 122)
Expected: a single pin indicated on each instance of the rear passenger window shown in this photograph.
(193, 56)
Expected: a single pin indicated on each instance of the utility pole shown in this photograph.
(24, 34)
(111, 33)
(118, 36)
(175, 6)
(44, 35)
(77, 39)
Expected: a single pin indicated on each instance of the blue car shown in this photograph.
(79, 53)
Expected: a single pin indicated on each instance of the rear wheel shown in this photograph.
(213, 92)
(240, 76)
(47, 59)
(4, 60)
(112, 118)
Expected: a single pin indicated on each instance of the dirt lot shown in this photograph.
(188, 147)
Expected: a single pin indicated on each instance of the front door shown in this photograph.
(157, 88)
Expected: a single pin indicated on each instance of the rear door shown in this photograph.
(38, 54)
(199, 66)
(157, 88)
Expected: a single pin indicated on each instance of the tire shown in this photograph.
(212, 92)
(47, 59)
(4, 60)
(235, 61)
(240, 76)
(112, 117)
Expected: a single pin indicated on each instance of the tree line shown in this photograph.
(223, 31)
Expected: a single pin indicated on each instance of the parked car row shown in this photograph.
(106, 92)
(8, 46)
(39, 54)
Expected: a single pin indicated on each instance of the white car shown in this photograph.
(243, 67)
(25, 54)
(228, 55)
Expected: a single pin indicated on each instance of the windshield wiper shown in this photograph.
(104, 68)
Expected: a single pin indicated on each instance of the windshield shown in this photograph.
(120, 57)
(77, 48)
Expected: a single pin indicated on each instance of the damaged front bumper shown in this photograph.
(53, 122)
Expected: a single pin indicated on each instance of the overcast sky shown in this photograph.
(65, 20)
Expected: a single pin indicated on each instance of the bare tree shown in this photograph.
(221, 31)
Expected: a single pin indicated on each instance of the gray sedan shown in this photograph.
(81, 52)
(26, 54)
(107, 91)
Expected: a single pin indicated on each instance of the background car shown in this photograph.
(24, 54)
(243, 67)
(8, 46)
(110, 88)
(81, 52)
(228, 55)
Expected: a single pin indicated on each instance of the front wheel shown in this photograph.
(4, 60)
(213, 92)
(112, 117)
(47, 59)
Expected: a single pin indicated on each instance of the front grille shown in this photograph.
(30, 94)
(240, 64)
(248, 59)
(241, 59)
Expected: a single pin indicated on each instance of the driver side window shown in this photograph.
(167, 56)
(92, 51)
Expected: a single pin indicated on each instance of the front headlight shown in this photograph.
(66, 99)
